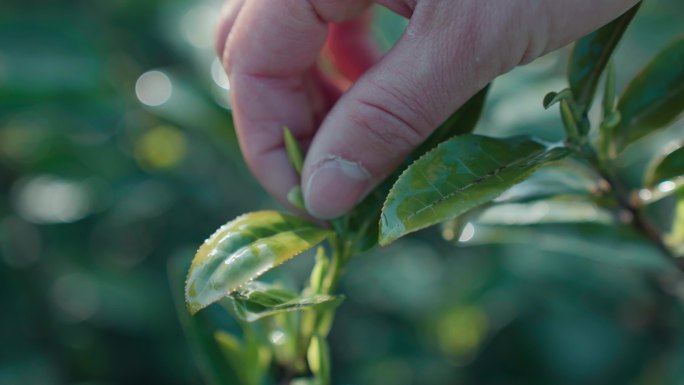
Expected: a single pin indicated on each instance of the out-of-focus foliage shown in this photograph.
(117, 157)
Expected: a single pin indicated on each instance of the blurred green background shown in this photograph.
(118, 157)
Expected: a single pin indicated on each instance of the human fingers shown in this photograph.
(449, 51)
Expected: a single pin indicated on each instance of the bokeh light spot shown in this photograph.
(219, 75)
(49, 199)
(162, 147)
(468, 233)
(461, 331)
(153, 88)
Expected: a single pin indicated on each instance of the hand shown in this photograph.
(358, 136)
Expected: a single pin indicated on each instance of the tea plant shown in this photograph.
(453, 177)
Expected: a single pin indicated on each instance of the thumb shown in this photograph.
(391, 109)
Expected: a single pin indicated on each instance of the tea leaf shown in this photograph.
(250, 359)
(294, 152)
(365, 217)
(318, 357)
(244, 249)
(655, 98)
(666, 168)
(296, 198)
(591, 55)
(675, 238)
(256, 301)
(459, 175)
(319, 271)
(555, 97)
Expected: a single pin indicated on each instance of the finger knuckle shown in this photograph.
(392, 120)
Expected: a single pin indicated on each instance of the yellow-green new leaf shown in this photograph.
(655, 98)
(457, 176)
(294, 152)
(244, 249)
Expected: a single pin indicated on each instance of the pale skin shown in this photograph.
(360, 124)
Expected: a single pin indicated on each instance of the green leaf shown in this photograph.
(591, 55)
(666, 168)
(555, 97)
(569, 121)
(199, 332)
(294, 152)
(256, 300)
(250, 359)
(319, 271)
(459, 175)
(655, 98)
(363, 220)
(608, 102)
(296, 198)
(244, 249)
(318, 357)
(675, 239)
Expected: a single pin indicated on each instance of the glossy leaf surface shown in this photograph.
(457, 176)
(256, 300)
(590, 57)
(666, 168)
(363, 224)
(655, 98)
(244, 249)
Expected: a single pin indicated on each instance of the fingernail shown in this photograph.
(334, 187)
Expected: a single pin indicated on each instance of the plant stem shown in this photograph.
(638, 220)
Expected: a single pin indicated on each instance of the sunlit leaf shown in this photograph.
(457, 176)
(318, 357)
(256, 300)
(591, 55)
(244, 249)
(655, 98)
(666, 168)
